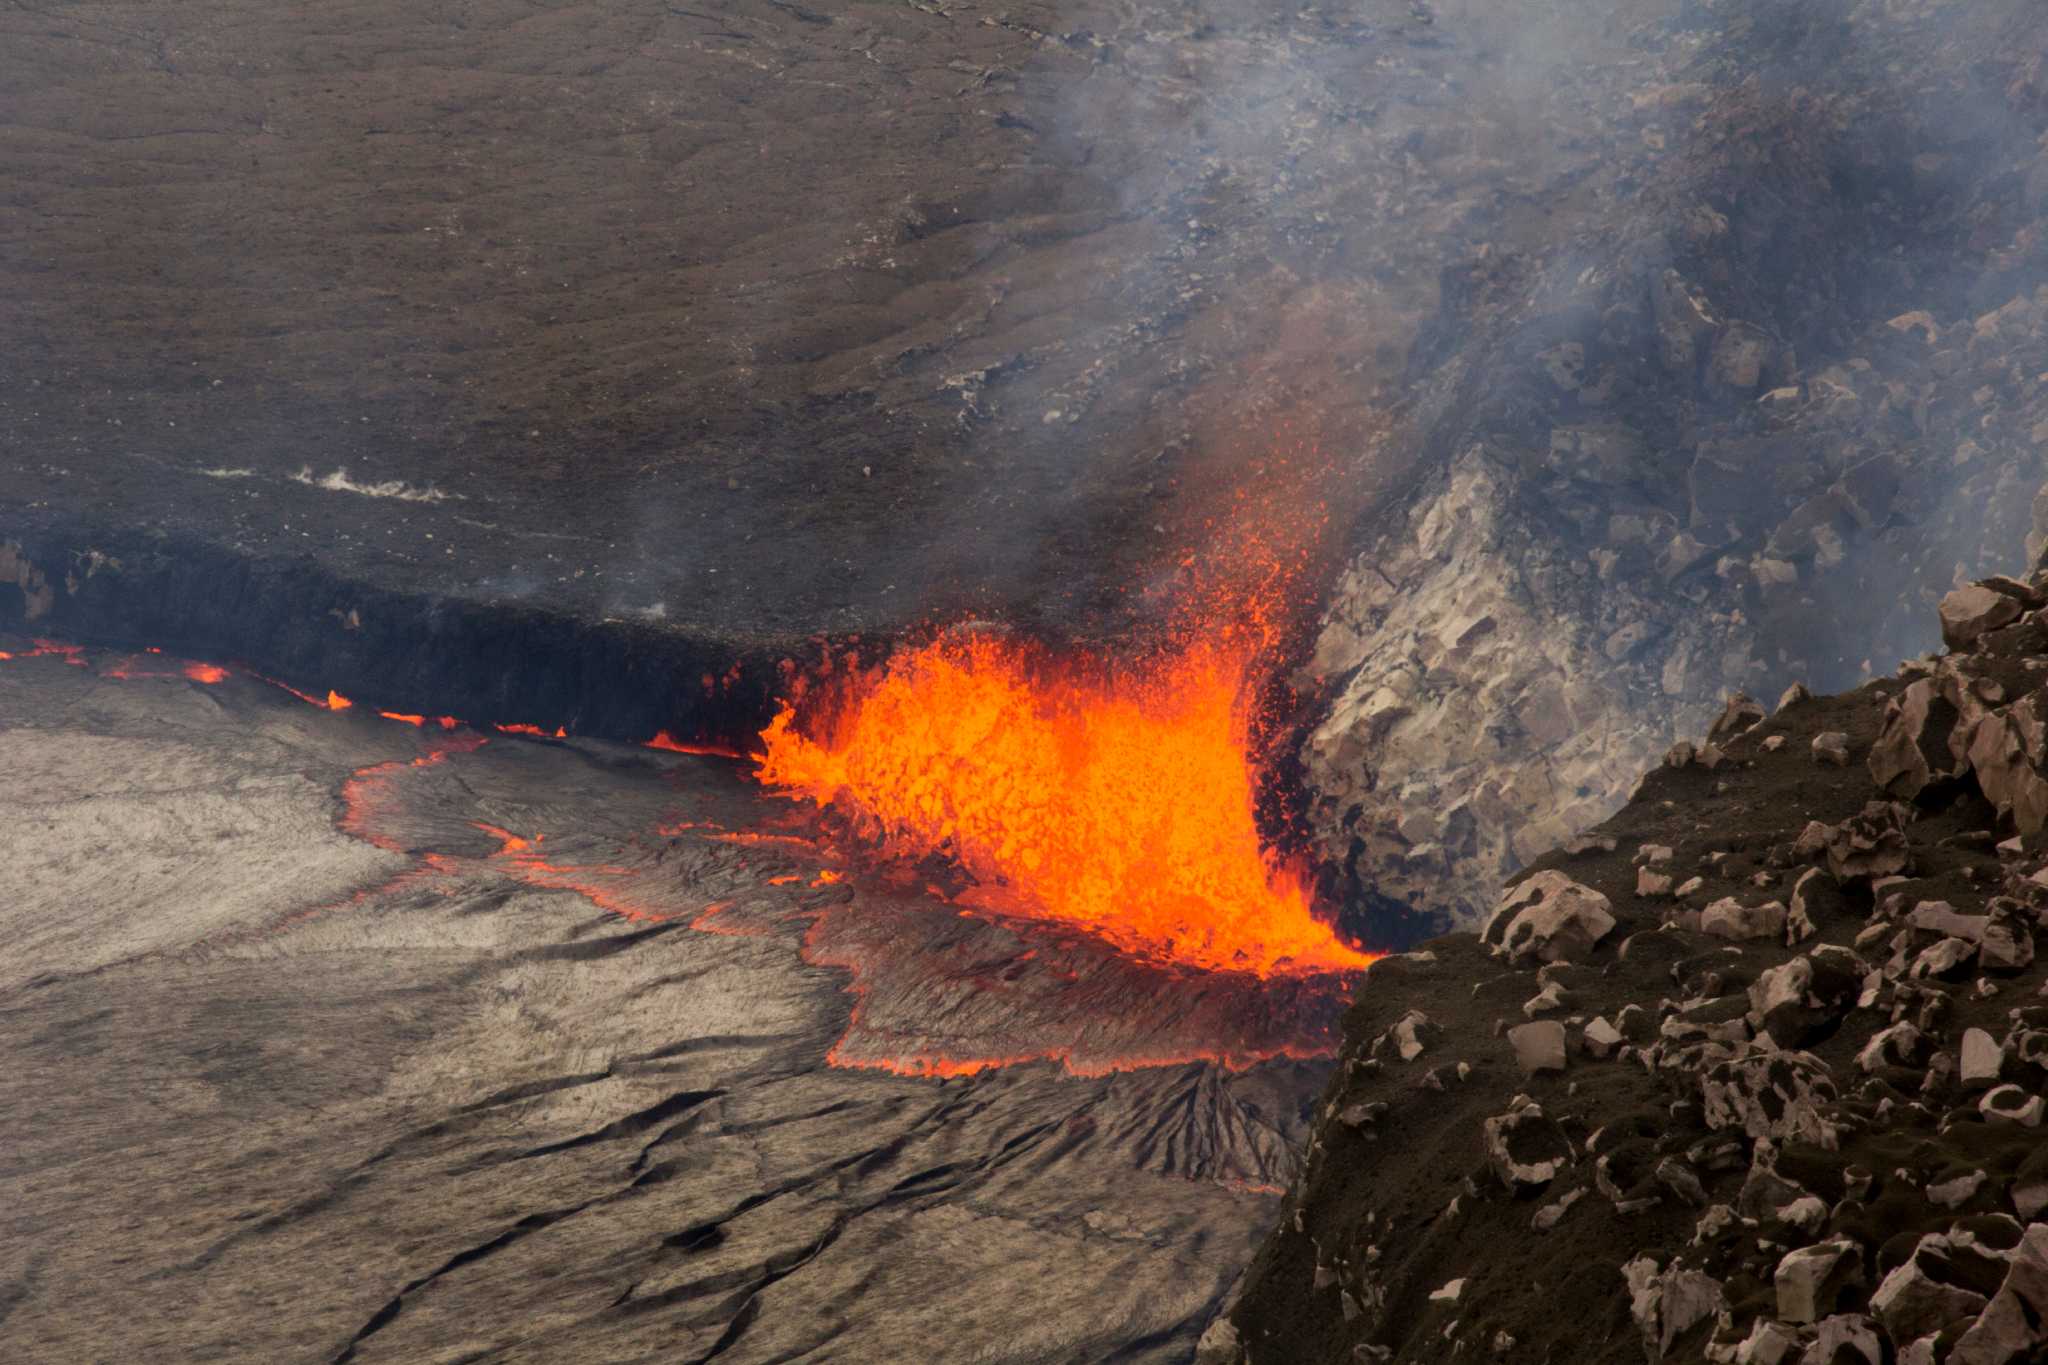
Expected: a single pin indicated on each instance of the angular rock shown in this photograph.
(1539, 1046)
(1809, 1280)
(1968, 613)
(1982, 1059)
(1831, 749)
(1912, 748)
(2005, 749)
(1845, 1339)
(1666, 1306)
(1871, 843)
(1953, 1194)
(1412, 1034)
(1602, 1039)
(1776, 1095)
(1730, 919)
(2014, 1325)
(1550, 917)
(1802, 998)
(1939, 917)
(1900, 1045)
(1677, 1177)
(2007, 944)
(1551, 1214)
(2010, 1104)
(1739, 713)
(1946, 960)
(1768, 1343)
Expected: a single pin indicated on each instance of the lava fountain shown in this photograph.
(1116, 796)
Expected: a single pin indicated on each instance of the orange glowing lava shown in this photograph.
(333, 701)
(608, 886)
(1117, 796)
(1123, 802)
(70, 654)
(203, 673)
(533, 730)
(664, 740)
(369, 790)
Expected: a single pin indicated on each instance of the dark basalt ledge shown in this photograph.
(1755, 1070)
(297, 621)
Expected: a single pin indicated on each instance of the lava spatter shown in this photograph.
(1123, 802)
(1116, 794)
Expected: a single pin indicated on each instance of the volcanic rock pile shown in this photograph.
(1755, 1072)
(1785, 385)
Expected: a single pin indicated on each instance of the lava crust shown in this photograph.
(446, 1042)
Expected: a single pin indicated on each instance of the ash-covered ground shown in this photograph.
(1751, 1074)
(334, 1038)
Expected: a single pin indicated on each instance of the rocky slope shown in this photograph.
(1754, 1071)
(1776, 391)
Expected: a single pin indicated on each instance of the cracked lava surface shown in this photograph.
(333, 1038)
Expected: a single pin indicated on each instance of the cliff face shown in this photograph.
(1776, 393)
(1753, 1072)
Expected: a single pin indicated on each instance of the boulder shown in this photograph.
(2007, 944)
(2014, 1325)
(1550, 917)
(1412, 1033)
(1869, 844)
(2012, 1105)
(1539, 1046)
(1730, 919)
(1799, 1000)
(1912, 748)
(1768, 1343)
(1956, 1192)
(1809, 1280)
(1813, 895)
(1900, 1045)
(1845, 1339)
(1738, 713)
(1968, 613)
(1776, 1095)
(2000, 756)
(1831, 749)
(1982, 1059)
(1666, 1306)
(1602, 1039)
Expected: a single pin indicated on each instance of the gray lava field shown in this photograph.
(311, 1060)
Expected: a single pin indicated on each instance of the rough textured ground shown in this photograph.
(304, 1065)
(1871, 1046)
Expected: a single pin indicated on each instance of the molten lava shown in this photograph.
(665, 741)
(1121, 801)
